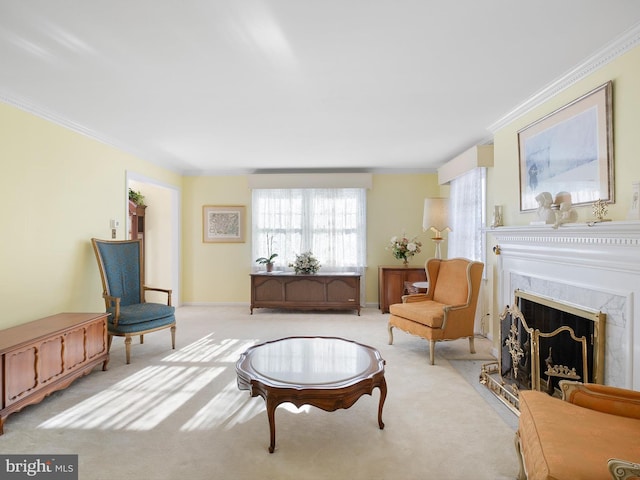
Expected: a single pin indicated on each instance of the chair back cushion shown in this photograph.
(452, 282)
(121, 269)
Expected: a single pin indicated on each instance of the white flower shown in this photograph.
(305, 263)
(412, 247)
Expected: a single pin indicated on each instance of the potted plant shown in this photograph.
(268, 261)
(136, 197)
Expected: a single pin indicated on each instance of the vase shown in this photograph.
(269, 267)
(405, 262)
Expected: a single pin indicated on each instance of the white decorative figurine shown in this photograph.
(565, 213)
(545, 213)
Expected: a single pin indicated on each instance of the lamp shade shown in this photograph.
(435, 216)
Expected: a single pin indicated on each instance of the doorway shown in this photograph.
(161, 234)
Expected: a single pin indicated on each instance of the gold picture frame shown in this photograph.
(569, 150)
(223, 223)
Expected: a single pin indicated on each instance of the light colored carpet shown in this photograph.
(179, 414)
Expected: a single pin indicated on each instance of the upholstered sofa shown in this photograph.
(593, 432)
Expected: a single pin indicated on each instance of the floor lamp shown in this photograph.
(435, 218)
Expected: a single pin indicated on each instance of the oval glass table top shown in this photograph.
(317, 361)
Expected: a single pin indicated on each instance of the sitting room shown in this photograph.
(341, 225)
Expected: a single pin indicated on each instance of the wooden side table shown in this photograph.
(392, 282)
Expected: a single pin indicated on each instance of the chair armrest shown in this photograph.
(168, 291)
(112, 302)
(453, 313)
(623, 470)
(414, 297)
(602, 398)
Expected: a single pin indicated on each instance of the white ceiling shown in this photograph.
(233, 86)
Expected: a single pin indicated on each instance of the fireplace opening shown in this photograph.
(542, 342)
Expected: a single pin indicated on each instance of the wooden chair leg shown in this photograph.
(127, 348)
(472, 347)
(522, 473)
(109, 339)
(390, 334)
(141, 339)
(432, 351)
(173, 337)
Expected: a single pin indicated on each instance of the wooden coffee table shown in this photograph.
(326, 372)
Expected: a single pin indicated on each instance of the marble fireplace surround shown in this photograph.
(597, 267)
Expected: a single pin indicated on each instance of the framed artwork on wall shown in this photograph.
(569, 150)
(223, 223)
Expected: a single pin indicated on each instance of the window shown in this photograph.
(330, 222)
(466, 211)
(467, 215)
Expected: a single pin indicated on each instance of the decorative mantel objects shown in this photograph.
(497, 216)
(564, 212)
(545, 214)
(556, 211)
(599, 211)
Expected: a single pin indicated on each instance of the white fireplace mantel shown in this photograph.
(594, 266)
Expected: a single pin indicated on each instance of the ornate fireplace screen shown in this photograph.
(531, 358)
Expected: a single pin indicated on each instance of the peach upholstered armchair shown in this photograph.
(447, 311)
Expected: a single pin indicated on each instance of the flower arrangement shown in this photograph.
(305, 263)
(403, 248)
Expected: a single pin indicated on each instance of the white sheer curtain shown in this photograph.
(467, 198)
(329, 222)
(467, 215)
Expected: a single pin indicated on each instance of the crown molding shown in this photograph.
(625, 42)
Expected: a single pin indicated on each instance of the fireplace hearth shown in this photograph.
(543, 341)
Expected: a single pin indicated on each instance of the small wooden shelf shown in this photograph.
(393, 282)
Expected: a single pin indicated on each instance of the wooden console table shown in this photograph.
(46, 355)
(393, 281)
(330, 291)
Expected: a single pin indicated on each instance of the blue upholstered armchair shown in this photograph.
(121, 269)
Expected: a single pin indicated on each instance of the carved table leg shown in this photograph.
(271, 414)
(383, 396)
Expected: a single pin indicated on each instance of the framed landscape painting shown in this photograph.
(223, 224)
(569, 150)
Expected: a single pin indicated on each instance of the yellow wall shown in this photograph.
(58, 189)
(502, 179)
(219, 272)
(214, 272)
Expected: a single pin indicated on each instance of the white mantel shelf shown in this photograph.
(627, 229)
(596, 266)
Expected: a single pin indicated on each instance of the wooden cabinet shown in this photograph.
(136, 221)
(394, 281)
(46, 355)
(336, 291)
